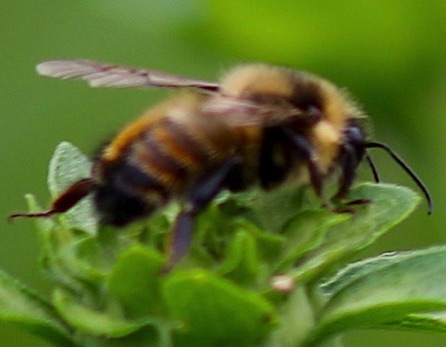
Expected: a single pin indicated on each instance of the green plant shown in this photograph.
(259, 273)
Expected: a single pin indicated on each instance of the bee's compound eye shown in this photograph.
(355, 135)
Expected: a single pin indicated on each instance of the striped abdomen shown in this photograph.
(158, 157)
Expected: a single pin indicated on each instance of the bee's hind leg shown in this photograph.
(197, 199)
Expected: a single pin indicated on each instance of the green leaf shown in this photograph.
(296, 320)
(67, 166)
(242, 263)
(269, 243)
(220, 222)
(215, 312)
(64, 255)
(135, 281)
(434, 322)
(389, 204)
(21, 307)
(96, 323)
(83, 259)
(399, 290)
(352, 272)
(274, 207)
(304, 232)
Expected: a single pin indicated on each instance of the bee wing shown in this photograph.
(241, 112)
(100, 75)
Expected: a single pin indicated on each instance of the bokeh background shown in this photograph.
(390, 54)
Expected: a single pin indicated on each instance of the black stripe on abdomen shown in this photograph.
(127, 194)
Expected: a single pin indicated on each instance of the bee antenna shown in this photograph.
(373, 168)
(405, 167)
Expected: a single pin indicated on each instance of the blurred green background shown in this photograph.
(390, 54)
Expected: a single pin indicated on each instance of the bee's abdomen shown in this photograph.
(118, 198)
(170, 154)
(163, 161)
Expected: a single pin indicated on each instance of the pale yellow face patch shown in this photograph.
(325, 139)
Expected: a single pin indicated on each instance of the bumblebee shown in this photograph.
(261, 125)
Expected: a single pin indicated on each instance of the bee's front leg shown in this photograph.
(352, 153)
(305, 152)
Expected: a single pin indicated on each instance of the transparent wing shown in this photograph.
(243, 112)
(101, 75)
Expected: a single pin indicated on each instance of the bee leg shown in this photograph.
(349, 164)
(308, 154)
(348, 172)
(347, 176)
(199, 196)
(70, 197)
(352, 153)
